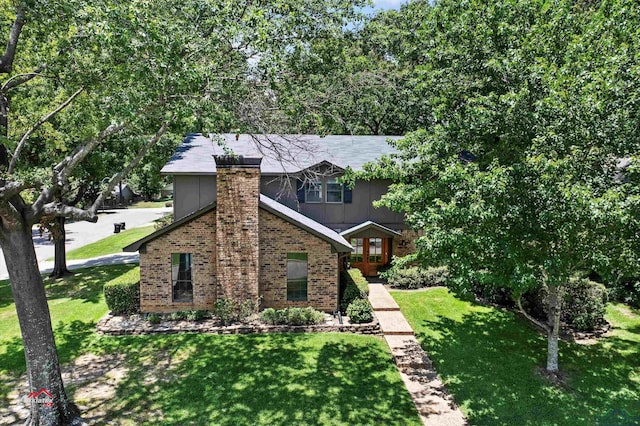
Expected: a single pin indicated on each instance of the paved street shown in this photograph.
(83, 233)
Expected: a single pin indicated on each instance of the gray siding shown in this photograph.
(191, 193)
(195, 192)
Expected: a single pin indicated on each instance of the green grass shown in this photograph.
(150, 204)
(112, 244)
(326, 378)
(489, 360)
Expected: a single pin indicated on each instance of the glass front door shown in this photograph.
(369, 254)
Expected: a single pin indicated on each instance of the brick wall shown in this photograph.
(237, 232)
(194, 237)
(405, 244)
(277, 238)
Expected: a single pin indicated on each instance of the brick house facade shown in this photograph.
(245, 246)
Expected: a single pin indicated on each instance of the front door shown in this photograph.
(369, 254)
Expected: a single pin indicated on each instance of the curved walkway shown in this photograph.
(435, 406)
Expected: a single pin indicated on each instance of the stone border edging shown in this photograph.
(113, 325)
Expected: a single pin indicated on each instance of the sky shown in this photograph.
(388, 4)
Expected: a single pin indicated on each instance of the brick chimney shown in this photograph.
(237, 243)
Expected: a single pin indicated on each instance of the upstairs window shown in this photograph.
(334, 191)
(313, 191)
(297, 276)
(181, 277)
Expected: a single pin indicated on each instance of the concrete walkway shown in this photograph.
(434, 404)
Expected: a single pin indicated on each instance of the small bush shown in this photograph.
(355, 286)
(154, 318)
(163, 221)
(177, 316)
(584, 305)
(225, 310)
(122, 296)
(197, 315)
(247, 309)
(360, 311)
(416, 277)
(626, 291)
(292, 316)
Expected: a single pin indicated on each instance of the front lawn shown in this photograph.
(324, 378)
(489, 360)
(112, 244)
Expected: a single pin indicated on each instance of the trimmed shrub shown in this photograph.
(355, 287)
(177, 316)
(359, 280)
(197, 315)
(584, 305)
(360, 311)
(416, 277)
(154, 318)
(247, 309)
(122, 296)
(292, 316)
(225, 310)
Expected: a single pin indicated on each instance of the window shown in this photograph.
(181, 279)
(334, 191)
(313, 191)
(297, 276)
(375, 250)
(357, 256)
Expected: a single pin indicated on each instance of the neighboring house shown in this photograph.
(269, 221)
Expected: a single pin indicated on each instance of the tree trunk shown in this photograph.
(60, 264)
(43, 368)
(554, 328)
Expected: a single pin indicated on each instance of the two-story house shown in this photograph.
(266, 216)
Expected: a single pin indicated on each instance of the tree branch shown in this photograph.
(63, 169)
(118, 176)
(44, 206)
(11, 189)
(544, 327)
(19, 79)
(40, 122)
(6, 62)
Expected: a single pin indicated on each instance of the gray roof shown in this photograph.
(338, 243)
(369, 225)
(281, 153)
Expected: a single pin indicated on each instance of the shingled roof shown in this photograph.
(338, 243)
(281, 153)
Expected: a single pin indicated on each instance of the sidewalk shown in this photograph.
(434, 404)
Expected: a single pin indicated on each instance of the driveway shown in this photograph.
(82, 233)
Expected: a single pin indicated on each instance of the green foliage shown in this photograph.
(123, 295)
(197, 315)
(292, 316)
(163, 221)
(473, 345)
(177, 316)
(416, 277)
(360, 311)
(153, 318)
(225, 310)
(584, 305)
(626, 291)
(514, 180)
(354, 286)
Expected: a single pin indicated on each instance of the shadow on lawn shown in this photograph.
(490, 361)
(259, 379)
(83, 284)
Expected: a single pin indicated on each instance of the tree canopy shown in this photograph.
(516, 178)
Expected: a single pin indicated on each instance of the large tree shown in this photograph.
(516, 180)
(142, 69)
